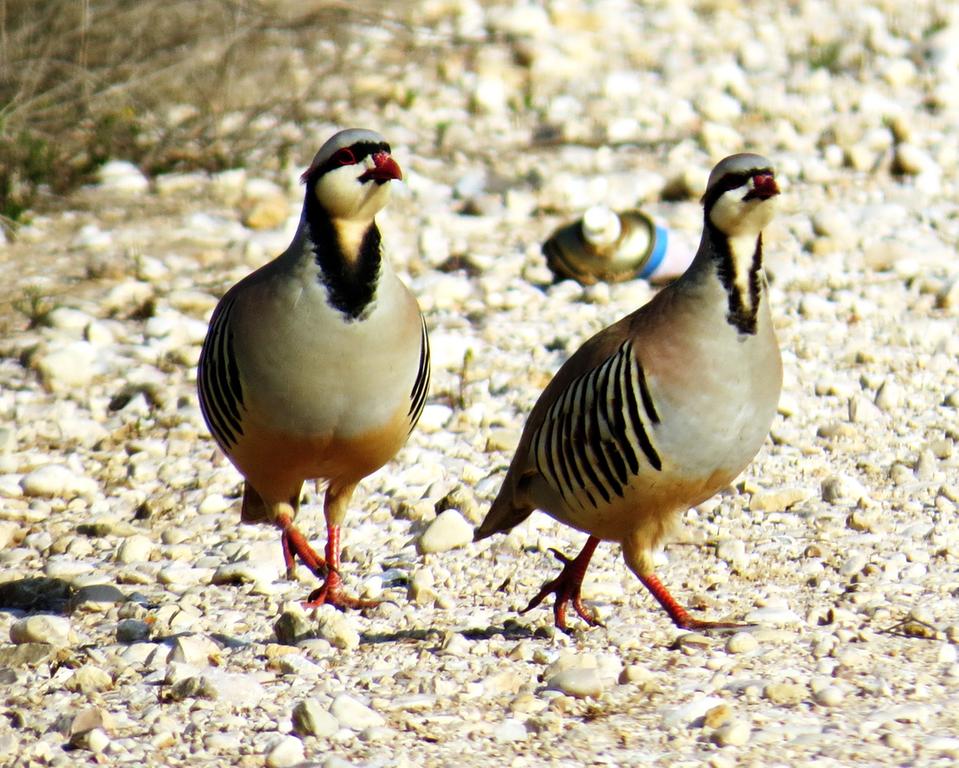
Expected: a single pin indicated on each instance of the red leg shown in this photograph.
(295, 544)
(567, 586)
(677, 613)
(331, 592)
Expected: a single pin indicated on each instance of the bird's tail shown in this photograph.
(504, 513)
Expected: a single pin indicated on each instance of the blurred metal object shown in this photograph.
(608, 246)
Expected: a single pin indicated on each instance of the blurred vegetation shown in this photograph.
(167, 84)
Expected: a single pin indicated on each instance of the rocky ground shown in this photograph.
(143, 625)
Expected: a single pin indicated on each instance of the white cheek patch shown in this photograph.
(341, 194)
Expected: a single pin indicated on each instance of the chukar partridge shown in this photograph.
(317, 364)
(661, 410)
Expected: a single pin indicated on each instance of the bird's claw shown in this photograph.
(331, 593)
(566, 587)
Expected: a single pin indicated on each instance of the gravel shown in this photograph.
(144, 624)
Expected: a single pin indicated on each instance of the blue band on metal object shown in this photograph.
(661, 234)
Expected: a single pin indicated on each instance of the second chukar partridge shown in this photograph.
(661, 410)
(316, 365)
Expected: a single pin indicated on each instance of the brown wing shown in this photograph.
(511, 506)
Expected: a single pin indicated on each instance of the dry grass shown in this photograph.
(168, 84)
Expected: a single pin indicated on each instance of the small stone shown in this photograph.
(337, 628)
(841, 488)
(926, 465)
(135, 549)
(829, 696)
(862, 520)
(778, 615)
(285, 752)
(734, 734)
(242, 573)
(89, 679)
(862, 410)
(690, 712)
(510, 730)
(899, 741)
(311, 719)
(635, 673)
(196, 650)
(354, 714)
(778, 499)
(97, 598)
(420, 588)
(785, 693)
(733, 551)
(133, 631)
(853, 564)
(264, 205)
(95, 740)
(947, 654)
(578, 683)
(741, 642)
(448, 531)
(89, 718)
(911, 160)
(68, 366)
(122, 176)
(718, 716)
(42, 628)
(57, 481)
(888, 396)
(292, 627)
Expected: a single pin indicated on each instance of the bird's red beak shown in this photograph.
(764, 186)
(385, 169)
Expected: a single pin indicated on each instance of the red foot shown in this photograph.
(331, 593)
(567, 586)
(677, 613)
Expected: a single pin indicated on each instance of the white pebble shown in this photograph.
(194, 649)
(741, 642)
(690, 711)
(285, 752)
(733, 734)
(830, 696)
(310, 719)
(337, 628)
(42, 628)
(57, 481)
(578, 683)
(510, 730)
(777, 615)
(135, 549)
(96, 740)
(354, 714)
(122, 176)
(448, 531)
(947, 654)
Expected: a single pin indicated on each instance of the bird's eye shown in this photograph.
(344, 156)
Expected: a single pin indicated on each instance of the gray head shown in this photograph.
(350, 174)
(739, 194)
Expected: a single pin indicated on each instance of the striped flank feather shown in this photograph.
(422, 383)
(221, 394)
(590, 445)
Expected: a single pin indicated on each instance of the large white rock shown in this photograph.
(57, 481)
(42, 628)
(354, 714)
(448, 531)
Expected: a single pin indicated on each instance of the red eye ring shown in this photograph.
(344, 156)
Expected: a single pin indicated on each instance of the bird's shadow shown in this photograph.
(39, 594)
(432, 634)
